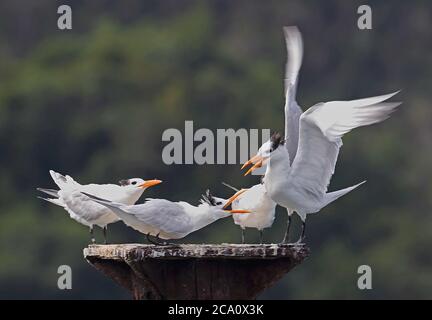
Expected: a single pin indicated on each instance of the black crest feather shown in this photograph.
(124, 182)
(276, 139)
(208, 198)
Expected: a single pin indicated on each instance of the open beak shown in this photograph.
(252, 160)
(238, 211)
(235, 196)
(257, 162)
(150, 183)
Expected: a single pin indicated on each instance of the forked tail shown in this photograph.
(332, 196)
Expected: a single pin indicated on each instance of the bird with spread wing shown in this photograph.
(301, 164)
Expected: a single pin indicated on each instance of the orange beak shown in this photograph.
(238, 211)
(235, 196)
(257, 161)
(252, 160)
(150, 183)
(255, 166)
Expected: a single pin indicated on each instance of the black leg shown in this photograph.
(149, 239)
(92, 235)
(261, 236)
(105, 234)
(158, 241)
(286, 237)
(302, 237)
(243, 235)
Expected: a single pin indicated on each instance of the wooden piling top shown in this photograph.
(195, 271)
(198, 251)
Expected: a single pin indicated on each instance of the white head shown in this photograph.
(264, 150)
(270, 150)
(137, 185)
(218, 205)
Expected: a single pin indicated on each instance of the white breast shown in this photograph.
(256, 200)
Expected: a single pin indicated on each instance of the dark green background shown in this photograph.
(93, 103)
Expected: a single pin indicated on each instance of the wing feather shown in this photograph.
(321, 131)
(163, 214)
(294, 46)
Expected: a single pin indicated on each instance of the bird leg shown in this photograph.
(302, 237)
(286, 237)
(158, 241)
(105, 234)
(261, 236)
(243, 235)
(92, 235)
(149, 239)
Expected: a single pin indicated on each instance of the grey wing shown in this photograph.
(294, 45)
(321, 130)
(292, 127)
(165, 215)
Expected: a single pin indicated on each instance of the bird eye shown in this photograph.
(219, 203)
(134, 182)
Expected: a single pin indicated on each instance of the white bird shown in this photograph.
(261, 207)
(86, 211)
(165, 219)
(294, 47)
(302, 185)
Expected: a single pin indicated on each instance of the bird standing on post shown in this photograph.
(86, 211)
(261, 207)
(166, 220)
(294, 47)
(315, 136)
(303, 185)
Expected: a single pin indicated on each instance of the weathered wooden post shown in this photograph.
(195, 271)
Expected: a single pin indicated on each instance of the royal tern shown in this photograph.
(261, 207)
(86, 211)
(303, 185)
(294, 47)
(165, 219)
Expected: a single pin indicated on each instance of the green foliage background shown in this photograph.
(93, 103)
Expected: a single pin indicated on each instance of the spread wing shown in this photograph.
(294, 45)
(321, 129)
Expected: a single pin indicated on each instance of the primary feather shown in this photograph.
(294, 46)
